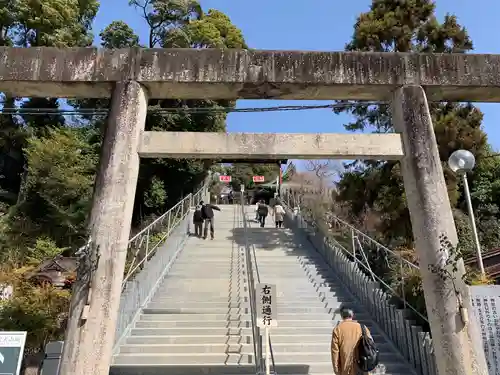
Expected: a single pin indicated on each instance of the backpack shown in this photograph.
(367, 352)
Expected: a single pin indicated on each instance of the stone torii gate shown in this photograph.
(132, 76)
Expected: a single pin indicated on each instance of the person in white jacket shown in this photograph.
(279, 214)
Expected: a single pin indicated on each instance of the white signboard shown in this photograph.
(11, 352)
(486, 307)
(267, 313)
(6, 292)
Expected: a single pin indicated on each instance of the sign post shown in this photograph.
(486, 309)
(225, 179)
(258, 178)
(267, 316)
(11, 352)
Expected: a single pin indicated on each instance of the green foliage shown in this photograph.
(58, 186)
(156, 195)
(377, 187)
(44, 248)
(118, 35)
(41, 311)
(48, 162)
(241, 174)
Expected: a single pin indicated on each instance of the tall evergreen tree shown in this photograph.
(406, 26)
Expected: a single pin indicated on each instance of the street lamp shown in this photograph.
(461, 162)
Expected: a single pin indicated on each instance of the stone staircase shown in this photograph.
(309, 301)
(198, 321)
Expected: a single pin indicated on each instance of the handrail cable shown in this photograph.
(252, 254)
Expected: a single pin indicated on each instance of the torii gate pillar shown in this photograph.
(95, 302)
(458, 348)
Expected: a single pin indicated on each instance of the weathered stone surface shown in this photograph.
(88, 345)
(219, 74)
(272, 146)
(457, 346)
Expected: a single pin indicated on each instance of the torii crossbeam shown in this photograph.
(132, 76)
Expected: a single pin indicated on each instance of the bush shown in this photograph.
(41, 311)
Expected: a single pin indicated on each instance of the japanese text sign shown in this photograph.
(486, 309)
(267, 313)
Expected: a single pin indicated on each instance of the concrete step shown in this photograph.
(226, 269)
(243, 298)
(196, 262)
(233, 359)
(198, 298)
(188, 340)
(149, 337)
(245, 317)
(180, 310)
(186, 348)
(229, 369)
(235, 347)
(327, 324)
(193, 331)
(164, 309)
(283, 304)
(202, 295)
(190, 324)
(182, 358)
(282, 324)
(207, 275)
(225, 295)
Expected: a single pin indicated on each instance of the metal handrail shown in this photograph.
(363, 236)
(257, 343)
(366, 267)
(164, 224)
(169, 232)
(258, 281)
(252, 254)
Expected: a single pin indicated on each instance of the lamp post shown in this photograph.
(461, 162)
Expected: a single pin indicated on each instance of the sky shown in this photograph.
(316, 25)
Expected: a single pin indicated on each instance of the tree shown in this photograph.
(182, 24)
(24, 23)
(58, 189)
(48, 161)
(242, 174)
(118, 35)
(408, 26)
(172, 23)
(41, 311)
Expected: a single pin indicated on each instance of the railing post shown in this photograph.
(401, 271)
(353, 244)
(148, 233)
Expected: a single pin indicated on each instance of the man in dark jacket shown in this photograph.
(262, 211)
(207, 214)
(198, 221)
